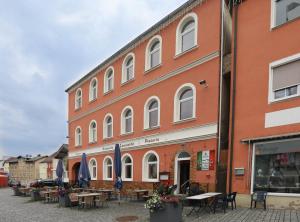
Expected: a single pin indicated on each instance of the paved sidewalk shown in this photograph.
(21, 209)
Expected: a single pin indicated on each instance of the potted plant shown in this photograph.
(16, 190)
(35, 194)
(63, 197)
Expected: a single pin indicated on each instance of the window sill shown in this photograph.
(93, 179)
(91, 143)
(151, 180)
(281, 25)
(93, 100)
(152, 68)
(78, 146)
(186, 51)
(184, 120)
(284, 99)
(107, 138)
(127, 82)
(108, 179)
(126, 134)
(153, 128)
(108, 92)
(128, 180)
(78, 109)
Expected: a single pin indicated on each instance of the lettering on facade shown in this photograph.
(108, 148)
(153, 140)
(124, 145)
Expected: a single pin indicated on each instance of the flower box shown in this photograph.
(35, 195)
(17, 191)
(169, 212)
(64, 200)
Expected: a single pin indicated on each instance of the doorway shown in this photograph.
(75, 170)
(182, 172)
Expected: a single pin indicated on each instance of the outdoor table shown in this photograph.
(140, 191)
(47, 194)
(84, 195)
(25, 190)
(200, 198)
(107, 191)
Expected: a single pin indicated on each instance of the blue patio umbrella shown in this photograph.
(84, 175)
(118, 168)
(59, 172)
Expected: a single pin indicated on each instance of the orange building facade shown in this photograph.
(265, 111)
(159, 98)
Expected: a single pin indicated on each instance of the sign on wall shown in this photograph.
(206, 160)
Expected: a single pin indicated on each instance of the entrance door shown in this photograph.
(75, 172)
(184, 177)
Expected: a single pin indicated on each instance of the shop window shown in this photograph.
(128, 68)
(93, 89)
(78, 98)
(285, 10)
(109, 80)
(108, 126)
(78, 140)
(93, 132)
(107, 168)
(277, 167)
(93, 169)
(127, 171)
(150, 167)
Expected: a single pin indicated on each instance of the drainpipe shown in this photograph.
(235, 9)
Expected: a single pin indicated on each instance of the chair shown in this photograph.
(259, 196)
(101, 200)
(220, 202)
(89, 201)
(73, 199)
(231, 200)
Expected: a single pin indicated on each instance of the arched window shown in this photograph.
(128, 68)
(93, 168)
(127, 168)
(108, 168)
(78, 98)
(78, 140)
(109, 80)
(185, 102)
(108, 126)
(93, 89)
(152, 113)
(153, 52)
(93, 132)
(150, 166)
(186, 33)
(127, 120)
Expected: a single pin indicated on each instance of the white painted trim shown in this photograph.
(144, 168)
(146, 112)
(123, 167)
(90, 132)
(104, 168)
(91, 169)
(91, 89)
(273, 15)
(123, 79)
(105, 89)
(196, 133)
(105, 126)
(183, 21)
(275, 64)
(176, 113)
(123, 120)
(147, 51)
(76, 137)
(77, 97)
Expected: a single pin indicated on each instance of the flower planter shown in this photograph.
(17, 191)
(35, 195)
(64, 201)
(170, 212)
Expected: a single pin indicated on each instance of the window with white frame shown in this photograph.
(78, 98)
(184, 103)
(152, 113)
(108, 126)
(127, 171)
(128, 68)
(78, 140)
(93, 168)
(107, 168)
(186, 33)
(127, 120)
(93, 89)
(284, 11)
(153, 52)
(93, 132)
(150, 166)
(285, 78)
(109, 80)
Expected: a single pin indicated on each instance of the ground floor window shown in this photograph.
(277, 167)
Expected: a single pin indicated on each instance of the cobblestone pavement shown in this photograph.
(22, 209)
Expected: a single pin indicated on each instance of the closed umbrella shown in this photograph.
(59, 172)
(118, 169)
(84, 175)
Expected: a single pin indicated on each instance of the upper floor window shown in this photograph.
(284, 78)
(107, 168)
(186, 33)
(93, 168)
(109, 80)
(78, 136)
(93, 132)
(153, 52)
(152, 113)
(108, 126)
(127, 120)
(128, 68)
(78, 98)
(284, 11)
(93, 89)
(150, 166)
(127, 171)
(184, 102)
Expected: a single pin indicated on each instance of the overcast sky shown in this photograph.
(47, 45)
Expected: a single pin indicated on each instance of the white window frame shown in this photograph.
(105, 168)
(105, 85)
(77, 105)
(124, 166)
(91, 139)
(183, 21)
(123, 122)
(271, 96)
(93, 97)
(124, 68)
(77, 142)
(105, 135)
(145, 176)
(176, 113)
(150, 43)
(91, 168)
(146, 112)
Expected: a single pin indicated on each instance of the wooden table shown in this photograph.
(140, 191)
(84, 195)
(200, 198)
